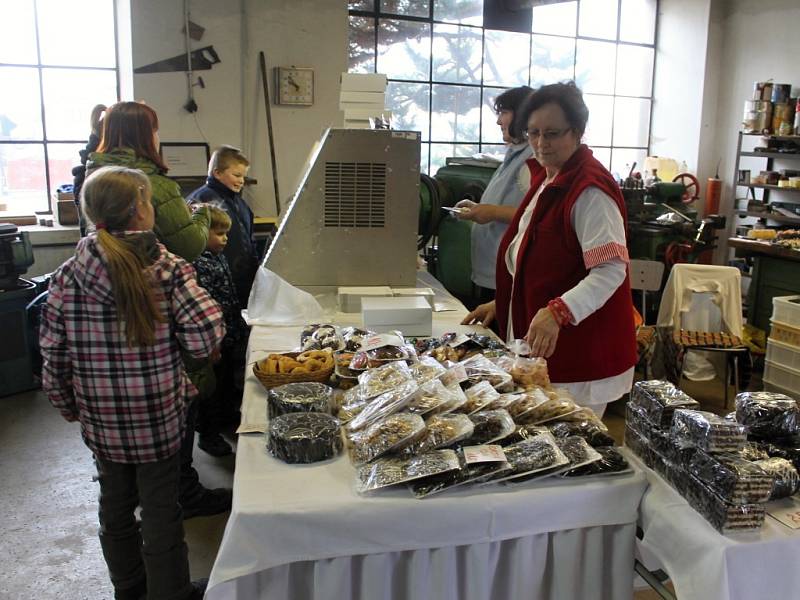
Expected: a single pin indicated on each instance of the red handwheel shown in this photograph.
(691, 184)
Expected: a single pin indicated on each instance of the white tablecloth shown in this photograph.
(706, 565)
(301, 531)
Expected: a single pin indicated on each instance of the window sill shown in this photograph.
(57, 235)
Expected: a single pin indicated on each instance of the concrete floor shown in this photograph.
(48, 507)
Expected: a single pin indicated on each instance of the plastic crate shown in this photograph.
(786, 309)
(783, 377)
(783, 332)
(783, 354)
(771, 387)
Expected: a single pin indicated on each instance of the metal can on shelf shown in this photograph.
(783, 118)
(757, 116)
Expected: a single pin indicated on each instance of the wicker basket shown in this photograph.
(271, 380)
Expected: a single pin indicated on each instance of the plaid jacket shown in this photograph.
(131, 402)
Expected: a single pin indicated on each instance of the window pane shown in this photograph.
(498, 150)
(505, 60)
(594, 66)
(404, 49)
(601, 111)
(411, 8)
(23, 188)
(424, 150)
(361, 45)
(67, 115)
(439, 154)
(603, 155)
(637, 23)
(468, 12)
(598, 19)
(634, 70)
(17, 34)
(622, 160)
(456, 54)
(631, 121)
(552, 59)
(465, 149)
(490, 130)
(61, 158)
(409, 104)
(456, 113)
(555, 19)
(21, 113)
(77, 35)
(361, 5)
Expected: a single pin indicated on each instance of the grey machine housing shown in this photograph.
(353, 219)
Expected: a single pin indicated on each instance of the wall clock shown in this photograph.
(294, 86)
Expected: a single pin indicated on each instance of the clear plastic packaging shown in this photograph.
(659, 400)
(384, 405)
(478, 396)
(434, 398)
(490, 426)
(391, 434)
(790, 450)
(734, 479)
(526, 403)
(523, 432)
(374, 382)
(723, 516)
(319, 337)
(588, 430)
(639, 446)
(671, 450)
(584, 414)
(386, 472)
(343, 377)
(479, 368)
(426, 370)
(578, 451)
(636, 419)
(707, 431)
(753, 451)
(556, 407)
(457, 399)
(785, 478)
(299, 397)
(535, 455)
(468, 473)
(611, 462)
(304, 437)
(441, 431)
(768, 414)
(353, 337)
(530, 371)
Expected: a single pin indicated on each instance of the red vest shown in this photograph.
(550, 262)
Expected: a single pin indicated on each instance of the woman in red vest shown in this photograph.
(562, 266)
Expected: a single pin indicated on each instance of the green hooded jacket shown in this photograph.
(183, 233)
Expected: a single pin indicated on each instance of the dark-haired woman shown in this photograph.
(130, 139)
(562, 276)
(502, 196)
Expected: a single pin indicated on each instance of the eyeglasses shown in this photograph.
(549, 135)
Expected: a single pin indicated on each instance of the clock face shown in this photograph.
(294, 86)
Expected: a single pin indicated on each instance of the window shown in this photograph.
(445, 69)
(57, 60)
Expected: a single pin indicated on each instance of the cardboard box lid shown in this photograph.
(397, 310)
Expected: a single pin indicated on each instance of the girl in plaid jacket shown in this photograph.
(118, 316)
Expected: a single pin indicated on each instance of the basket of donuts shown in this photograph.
(294, 367)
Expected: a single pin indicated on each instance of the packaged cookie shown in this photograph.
(659, 400)
(384, 405)
(577, 450)
(639, 446)
(530, 372)
(299, 397)
(522, 432)
(304, 437)
(785, 478)
(734, 479)
(611, 462)
(707, 431)
(479, 368)
(557, 406)
(426, 369)
(441, 431)
(636, 419)
(532, 456)
(434, 398)
(588, 430)
(490, 426)
(768, 414)
(390, 471)
(723, 516)
(320, 337)
(478, 396)
(391, 434)
(467, 473)
(377, 381)
(353, 337)
(343, 376)
(527, 402)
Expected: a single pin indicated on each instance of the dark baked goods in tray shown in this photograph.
(735, 479)
(707, 431)
(467, 473)
(299, 397)
(611, 461)
(539, 453)
(490, 426)
(585, 429)
(785, 477)
(768, 414)
(304, 437)
(659, 400)
(389, 471)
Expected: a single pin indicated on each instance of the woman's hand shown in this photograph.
(483, 314)
(479, 213)
(542, 334)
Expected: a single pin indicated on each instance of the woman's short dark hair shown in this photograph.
(566, 95)
(512, 100)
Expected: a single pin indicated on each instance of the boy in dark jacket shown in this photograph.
(219, 407)
(226, 173)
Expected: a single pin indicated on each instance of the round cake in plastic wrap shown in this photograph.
(304, 437)
(299, 397)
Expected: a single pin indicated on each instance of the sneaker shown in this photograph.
(213, 444)
(198, 590)
(211, 502)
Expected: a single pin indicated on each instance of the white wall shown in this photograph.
(309, 33)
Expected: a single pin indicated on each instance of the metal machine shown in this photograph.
(354, 216)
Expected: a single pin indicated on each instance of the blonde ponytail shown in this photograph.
(109, 197)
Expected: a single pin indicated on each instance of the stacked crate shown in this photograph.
(782, 367)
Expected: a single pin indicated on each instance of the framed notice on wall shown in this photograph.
(186, 159)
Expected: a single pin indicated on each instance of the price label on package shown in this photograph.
(484, 453)
(787, 511)
(380, 340)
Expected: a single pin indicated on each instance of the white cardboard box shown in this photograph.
(426, 293)
(350, 297)
(410, 315)
(363, 82)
